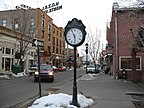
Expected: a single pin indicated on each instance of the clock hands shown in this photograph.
(74, 36)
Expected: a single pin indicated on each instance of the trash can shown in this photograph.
(16, 69)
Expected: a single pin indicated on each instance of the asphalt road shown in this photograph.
(18, 90)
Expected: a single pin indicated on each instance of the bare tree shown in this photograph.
(24, 26)
(93, 41)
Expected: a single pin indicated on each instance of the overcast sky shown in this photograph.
(93, 13)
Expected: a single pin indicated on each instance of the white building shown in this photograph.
(9, 45)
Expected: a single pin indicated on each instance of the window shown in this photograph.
(12, 52)
(60, 44)
(8, 51)
(57, 43)
(16, 24)
(4, 22)
(53, 40)
(54, 30)
(49, 29)
(32, 22)
(53, 49)
(57, 50)
(43, 22)
(125, 62)
(57, 32)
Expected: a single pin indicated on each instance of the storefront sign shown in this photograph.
(52, 7)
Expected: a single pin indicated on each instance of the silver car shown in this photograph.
(91, 69)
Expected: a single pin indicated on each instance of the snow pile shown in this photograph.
(60, 100)
(12, 75)
(88, 77)
(21, 74)
(4, 77)
(130, 4)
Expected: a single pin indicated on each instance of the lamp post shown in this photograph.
(43, 30)
(86, 55)
(116, 6)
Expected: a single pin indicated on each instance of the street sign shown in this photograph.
(38, 43)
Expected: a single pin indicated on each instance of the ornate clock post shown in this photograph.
(75, 36)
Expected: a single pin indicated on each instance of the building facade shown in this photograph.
(9, 45)
(37, 24)
(121, 42)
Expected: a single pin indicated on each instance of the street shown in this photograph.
(18, 90)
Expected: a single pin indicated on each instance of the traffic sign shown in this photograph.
(38, 43)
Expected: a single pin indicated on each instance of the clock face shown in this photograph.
(74, 36)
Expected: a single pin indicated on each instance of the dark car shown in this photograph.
(46, 73)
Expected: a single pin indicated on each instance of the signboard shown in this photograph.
(37, 43)
(52, 7)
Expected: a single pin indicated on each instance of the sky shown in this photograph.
(94, 13)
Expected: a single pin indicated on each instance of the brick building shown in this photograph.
(121, 42)
(37, 24)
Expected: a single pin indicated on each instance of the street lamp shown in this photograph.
(86, 55)
(116, 6)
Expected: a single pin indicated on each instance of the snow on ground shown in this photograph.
(87, 77)
(4, 77)
(60, 100)
(20, 74)
(10, 75)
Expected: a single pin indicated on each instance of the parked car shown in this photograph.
(32, 69)
(91, 68)
(61, 68)
(54, 68)
(46, 73)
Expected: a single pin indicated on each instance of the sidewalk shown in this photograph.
(106, 91)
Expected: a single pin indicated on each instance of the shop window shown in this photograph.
(125, 62)
(7, 64)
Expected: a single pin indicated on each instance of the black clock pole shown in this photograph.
(74, 99)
